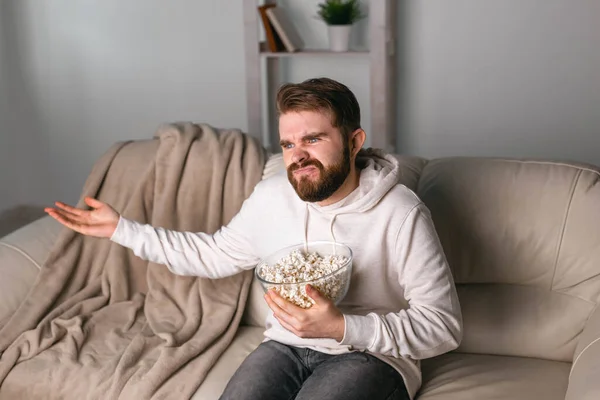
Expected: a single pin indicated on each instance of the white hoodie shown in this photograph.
(401, 305)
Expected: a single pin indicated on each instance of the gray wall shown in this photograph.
(23, 162)
(6, 159)
(517, 78)
(96, 72)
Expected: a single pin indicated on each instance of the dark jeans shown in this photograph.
(275, 371)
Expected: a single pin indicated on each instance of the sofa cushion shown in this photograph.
(22, 253)
(411, 168)
(519, 223)
(35, 239)
(245, 341)
(519, 320)
(256, 311)
(19, 216)
(457, 376)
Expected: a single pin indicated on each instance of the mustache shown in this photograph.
(314, 163)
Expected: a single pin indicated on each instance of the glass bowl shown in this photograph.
(333, 285)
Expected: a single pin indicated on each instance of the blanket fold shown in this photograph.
(100, 323)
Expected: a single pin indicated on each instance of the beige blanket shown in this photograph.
(101, 323)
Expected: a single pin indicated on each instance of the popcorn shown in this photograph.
(297, 268)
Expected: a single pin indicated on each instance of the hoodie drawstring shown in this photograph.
(331, 227)
(306, 228)
(331, 232)
(306, 211)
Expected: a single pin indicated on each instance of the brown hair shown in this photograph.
(323, 95)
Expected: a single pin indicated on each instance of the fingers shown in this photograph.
(70, 209)
(77, 211)
(64, 219)
(287, 306)
(316, 295)
(277, 309)
(78, 216)
(288, 326)
(93, 202)
(286, 320)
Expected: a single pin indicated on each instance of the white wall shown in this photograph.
(517, 78)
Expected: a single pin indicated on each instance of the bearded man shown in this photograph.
(401, 306)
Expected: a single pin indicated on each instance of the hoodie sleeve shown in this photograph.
(432, 324)
(224, 253)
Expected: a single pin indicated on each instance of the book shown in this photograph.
(285, 29)
(273, 40)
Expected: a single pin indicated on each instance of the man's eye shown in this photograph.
(312, 140)
(287, 146)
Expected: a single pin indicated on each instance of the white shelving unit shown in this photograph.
(263, 74)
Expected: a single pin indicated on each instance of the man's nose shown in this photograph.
(299, 155)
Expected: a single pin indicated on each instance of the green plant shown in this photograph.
(340, 12)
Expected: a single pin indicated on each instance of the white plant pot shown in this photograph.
(339, 37)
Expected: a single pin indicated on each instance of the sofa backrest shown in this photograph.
(523, 241)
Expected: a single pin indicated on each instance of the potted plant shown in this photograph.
(339, 15)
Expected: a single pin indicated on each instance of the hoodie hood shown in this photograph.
(379, 173)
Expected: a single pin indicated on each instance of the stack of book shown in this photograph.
(279, 30)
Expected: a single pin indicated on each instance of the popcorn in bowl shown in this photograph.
(327, 266)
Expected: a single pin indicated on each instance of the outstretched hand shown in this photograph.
(100, 221)
(322, 320)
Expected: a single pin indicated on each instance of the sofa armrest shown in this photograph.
(21, 255)
(583, 379)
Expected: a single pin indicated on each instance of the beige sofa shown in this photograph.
(523, 240)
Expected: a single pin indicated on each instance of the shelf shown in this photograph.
(263, 73)
(314, 53)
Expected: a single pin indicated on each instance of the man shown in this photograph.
(402, 304)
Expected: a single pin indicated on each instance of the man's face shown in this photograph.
(316, 157)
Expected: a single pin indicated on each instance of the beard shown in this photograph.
(329, 181)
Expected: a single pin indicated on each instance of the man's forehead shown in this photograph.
(304, 123)
(303, 135)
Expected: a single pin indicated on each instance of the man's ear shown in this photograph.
(357, 140)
